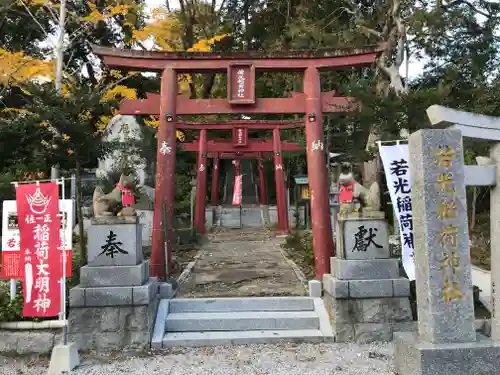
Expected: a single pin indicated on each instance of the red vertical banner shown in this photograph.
(10, 241)
(40, 266)
(237, 196)
(238, 184)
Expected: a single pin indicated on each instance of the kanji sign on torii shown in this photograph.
(240, 69)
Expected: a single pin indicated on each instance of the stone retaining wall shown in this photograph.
(91, 328)
(113, 327)
(25, 342)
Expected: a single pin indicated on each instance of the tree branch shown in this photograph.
(470, 5)
(34, 19)
(370, 31)
(55, 18)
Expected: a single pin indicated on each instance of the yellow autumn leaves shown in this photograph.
(17, 67)
(97, 15)
(205, 45)
(164, 31)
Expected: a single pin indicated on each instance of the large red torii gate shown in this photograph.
(240, 69)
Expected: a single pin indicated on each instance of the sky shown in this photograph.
(415, 67)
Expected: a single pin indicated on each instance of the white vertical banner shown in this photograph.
(397, 173)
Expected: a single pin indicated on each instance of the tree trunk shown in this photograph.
(79, 213)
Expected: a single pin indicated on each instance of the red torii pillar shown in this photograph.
(316, 168)
(165, 176)
(215, 181)
(279, 175)
(262, 184)
(201, 184)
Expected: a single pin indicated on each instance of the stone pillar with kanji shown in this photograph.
(115, 304)
(365, 296)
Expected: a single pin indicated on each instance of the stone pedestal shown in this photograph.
(447, 342)
(366, 299)
(114, 306)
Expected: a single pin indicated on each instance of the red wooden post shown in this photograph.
(215, 181)
(262, 184)
(316, 167)
(279, 175)
(201, 184)
(165, 176)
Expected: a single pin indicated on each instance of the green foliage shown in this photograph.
(29, 138)
(10, 311)
(18, 32)
(301, 242)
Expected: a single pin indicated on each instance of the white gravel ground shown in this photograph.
(287, 359)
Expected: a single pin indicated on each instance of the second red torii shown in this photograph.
(223, 145)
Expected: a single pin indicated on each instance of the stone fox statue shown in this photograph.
(369, 198)
(105, 204)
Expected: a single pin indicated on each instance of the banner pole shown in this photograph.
(63, 284)
(13, 287)
(167, 260)
(13, 282)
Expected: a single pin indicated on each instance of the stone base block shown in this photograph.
(368, 269)
(114, 275)
(315, 288)
(64, 359)
(80, 296)
(115, 244)
(112, 328)
(364, 320)
(412, 357)
(376, 288)
(348, 228)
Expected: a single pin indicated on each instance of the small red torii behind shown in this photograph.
(224, 148)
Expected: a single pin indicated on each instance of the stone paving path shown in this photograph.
(241, 263)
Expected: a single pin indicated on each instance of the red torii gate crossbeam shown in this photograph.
(240, 155)
(225, 146)
(248, 124)
(241, 69)
(296, 103)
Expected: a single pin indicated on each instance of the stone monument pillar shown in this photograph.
(446, 342)
(114, 306)
(365, 297)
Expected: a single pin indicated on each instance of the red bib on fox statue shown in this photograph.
(127, 196)
(346, 192)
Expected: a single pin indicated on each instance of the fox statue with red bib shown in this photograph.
(352, 192)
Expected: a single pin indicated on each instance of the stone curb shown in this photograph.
(48, 324)
(160, 323)
(186, 272)
(324, 321)
(298, 272)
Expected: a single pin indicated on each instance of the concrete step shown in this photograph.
(211, 338)
(211, 305)
(242, 321)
